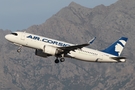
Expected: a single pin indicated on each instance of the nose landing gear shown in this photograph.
(19, 49)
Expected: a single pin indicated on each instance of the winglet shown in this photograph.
(92, 40)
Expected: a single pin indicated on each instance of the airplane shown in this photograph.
(45, 47)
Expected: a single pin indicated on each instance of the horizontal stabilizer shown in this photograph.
(118, 58)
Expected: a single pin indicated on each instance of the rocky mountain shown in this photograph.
(75, 24)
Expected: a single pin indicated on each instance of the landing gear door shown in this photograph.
(23, 36)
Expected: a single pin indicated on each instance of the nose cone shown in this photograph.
(8, 37)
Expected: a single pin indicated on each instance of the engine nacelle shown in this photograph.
(51, 50)
(40, 53)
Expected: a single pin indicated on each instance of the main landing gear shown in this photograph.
(61, 60)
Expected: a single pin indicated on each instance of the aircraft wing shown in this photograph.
(66, 50)
(74, 47)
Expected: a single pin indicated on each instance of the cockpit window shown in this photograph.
(14, 34)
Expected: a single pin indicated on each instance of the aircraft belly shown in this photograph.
(83, 57)
(90, 57)
(105, 59)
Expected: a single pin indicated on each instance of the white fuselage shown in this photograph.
(38, 42)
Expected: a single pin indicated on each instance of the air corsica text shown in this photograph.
(48, 40)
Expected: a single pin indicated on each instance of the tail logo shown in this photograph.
(119, 46)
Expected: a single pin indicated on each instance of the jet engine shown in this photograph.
(40, 53)
(51, 50)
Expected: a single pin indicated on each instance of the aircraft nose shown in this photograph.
(7, 37)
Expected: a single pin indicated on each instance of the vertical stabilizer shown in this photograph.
(117, 47)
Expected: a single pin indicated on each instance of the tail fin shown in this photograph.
(117, 47)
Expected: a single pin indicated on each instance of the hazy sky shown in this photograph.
(21, 14)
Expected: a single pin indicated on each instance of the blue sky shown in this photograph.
(21, 14)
